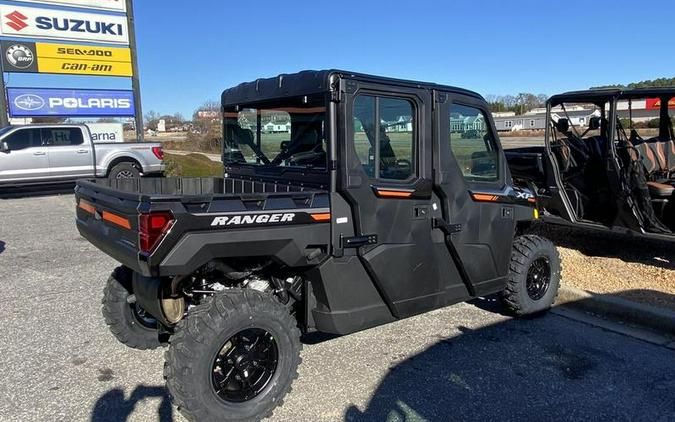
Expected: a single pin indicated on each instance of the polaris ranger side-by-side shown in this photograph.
(348, 201)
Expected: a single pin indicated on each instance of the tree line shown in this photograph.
(518, 104)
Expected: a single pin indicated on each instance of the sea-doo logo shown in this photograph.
(20, 56)
(253, 219)
(29, 102)
(17, 20)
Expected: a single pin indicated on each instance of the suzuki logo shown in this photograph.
(29, 102)
(16, 21)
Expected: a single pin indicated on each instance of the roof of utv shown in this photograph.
(314, 81)
(605, 94)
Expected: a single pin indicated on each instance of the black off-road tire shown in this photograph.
(125, 170)
(200, 336)
(531, 253)
(122, 318)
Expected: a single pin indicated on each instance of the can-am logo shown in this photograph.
(17, 20)
(20, 56)
(84, 103)
(253, 219)
(29, 102)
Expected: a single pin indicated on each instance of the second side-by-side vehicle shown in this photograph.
(347, 201)
(614, 172)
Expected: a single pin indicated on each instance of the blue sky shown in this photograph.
(189, 51)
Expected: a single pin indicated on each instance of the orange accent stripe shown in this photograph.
(484, 197)
(86, 206)
(116, 219)
(532, 200)
(393, 194)
(321, 217)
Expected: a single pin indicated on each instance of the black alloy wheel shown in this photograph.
(538, 278)
(245, 364)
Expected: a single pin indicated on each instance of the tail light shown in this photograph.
(159, 152)
(151, 229)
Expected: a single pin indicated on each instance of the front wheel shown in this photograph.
(233, 358)
(534, 276)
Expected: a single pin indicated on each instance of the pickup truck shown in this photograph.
(348, 201)
(40, 154)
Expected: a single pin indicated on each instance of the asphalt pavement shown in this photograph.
(463, 363)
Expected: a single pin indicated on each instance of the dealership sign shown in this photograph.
(655, 103)
(32, 22)
(35, 102)
(112, 5)
(30, 57)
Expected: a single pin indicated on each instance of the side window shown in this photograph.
(384, 136)
(473, 144)
(23, 138)
(62, 136)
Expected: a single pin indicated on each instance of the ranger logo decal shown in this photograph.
(235, 220)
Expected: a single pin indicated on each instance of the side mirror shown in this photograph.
(4, 147)
(594, 123)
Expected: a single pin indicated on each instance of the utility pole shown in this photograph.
(135, 82)
(4, 121)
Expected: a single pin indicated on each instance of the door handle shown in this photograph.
(82, 151)
(39, 153)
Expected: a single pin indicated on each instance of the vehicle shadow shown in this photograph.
(114, 407)
(624, 247)
(2, 246)
(33, 191)
(538, 369)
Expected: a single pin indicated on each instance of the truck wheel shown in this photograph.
(534, 276)
(125, 170)
(233, 358)
(128, 322)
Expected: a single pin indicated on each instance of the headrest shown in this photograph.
(562, 125)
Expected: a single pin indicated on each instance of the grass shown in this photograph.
(191, 165)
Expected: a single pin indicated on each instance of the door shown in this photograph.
(26, 160)
(386, 179)
(69, 156)
(477, 202)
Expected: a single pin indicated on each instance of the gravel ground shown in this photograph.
(638, 270)
(464, 363)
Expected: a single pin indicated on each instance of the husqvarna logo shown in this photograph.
(17, 20)
(227, 220)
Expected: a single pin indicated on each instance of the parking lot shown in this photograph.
(465, 362)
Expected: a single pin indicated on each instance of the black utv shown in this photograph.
(348, 201)
(612, 170)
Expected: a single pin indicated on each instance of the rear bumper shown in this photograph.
(154, 169)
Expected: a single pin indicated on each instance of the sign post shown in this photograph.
(135, 82)
(4, 120)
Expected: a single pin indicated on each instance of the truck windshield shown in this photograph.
(288, 133)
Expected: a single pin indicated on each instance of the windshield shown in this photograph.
(288, 133)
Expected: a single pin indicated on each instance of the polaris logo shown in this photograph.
(88, 103)
(253, 219)
(78, 25)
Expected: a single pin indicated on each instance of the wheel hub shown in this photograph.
(538, 278)
(245, 364)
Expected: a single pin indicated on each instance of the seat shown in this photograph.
(660, 190)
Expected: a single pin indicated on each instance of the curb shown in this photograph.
(662, 320)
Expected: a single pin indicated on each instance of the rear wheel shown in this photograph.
(128, 322)
(534, 276)
(125, 170)
(233, 358)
